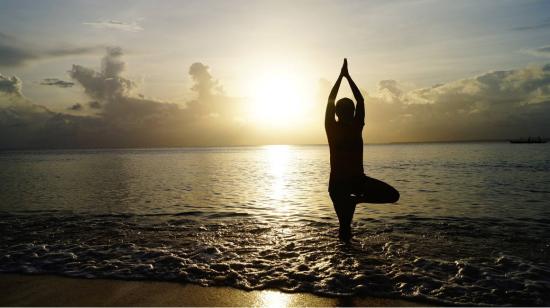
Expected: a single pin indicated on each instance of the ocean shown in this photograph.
(472, 225)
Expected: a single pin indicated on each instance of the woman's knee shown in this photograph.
(394, 196)
(389, 192)
(377, 191)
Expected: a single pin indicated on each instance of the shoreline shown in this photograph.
(50, 290)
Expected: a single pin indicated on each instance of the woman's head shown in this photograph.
(345, 109)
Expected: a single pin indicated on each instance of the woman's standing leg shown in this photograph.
(344, 206)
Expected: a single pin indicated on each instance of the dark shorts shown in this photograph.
(362, 189)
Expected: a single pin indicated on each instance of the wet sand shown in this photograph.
(44, 290)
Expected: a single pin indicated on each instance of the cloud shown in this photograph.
(57, 82)
(493, 105)
(390, 85)
(69, 51)
(204, 85)
(13, 54)
(133, 120)
(391, 90)
(6, 37)
(107, 84)
(10, 85)
(75, 107)
(543, 51)
(21, 121)
(115, 25)
(94, 105)
(542, 25)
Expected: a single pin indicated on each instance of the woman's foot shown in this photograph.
(345, 234)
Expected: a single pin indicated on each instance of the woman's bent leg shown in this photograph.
(376, 191)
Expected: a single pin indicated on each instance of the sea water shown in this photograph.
(472, 225)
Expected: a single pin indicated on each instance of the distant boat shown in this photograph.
(528, 140)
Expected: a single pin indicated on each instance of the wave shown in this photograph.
(448, 260)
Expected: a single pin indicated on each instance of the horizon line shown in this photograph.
(245, 145)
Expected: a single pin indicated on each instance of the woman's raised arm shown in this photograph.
(330, 112)
(360, 106)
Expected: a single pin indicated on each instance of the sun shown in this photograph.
(279, 98)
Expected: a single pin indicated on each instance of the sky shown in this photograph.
(194, 73)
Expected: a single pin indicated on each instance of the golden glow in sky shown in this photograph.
(279, 96)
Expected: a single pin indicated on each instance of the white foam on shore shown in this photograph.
(404, 260)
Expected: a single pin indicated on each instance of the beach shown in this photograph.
(45, 290)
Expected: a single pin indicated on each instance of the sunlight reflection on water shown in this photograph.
(273, 299)
(278, 160)
(443, 179)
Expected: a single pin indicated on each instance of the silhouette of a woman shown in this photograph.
(348, 184)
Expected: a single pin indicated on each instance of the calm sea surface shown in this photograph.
(472, 225)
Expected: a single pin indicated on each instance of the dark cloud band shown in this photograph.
(12, 54)
(57, 83)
